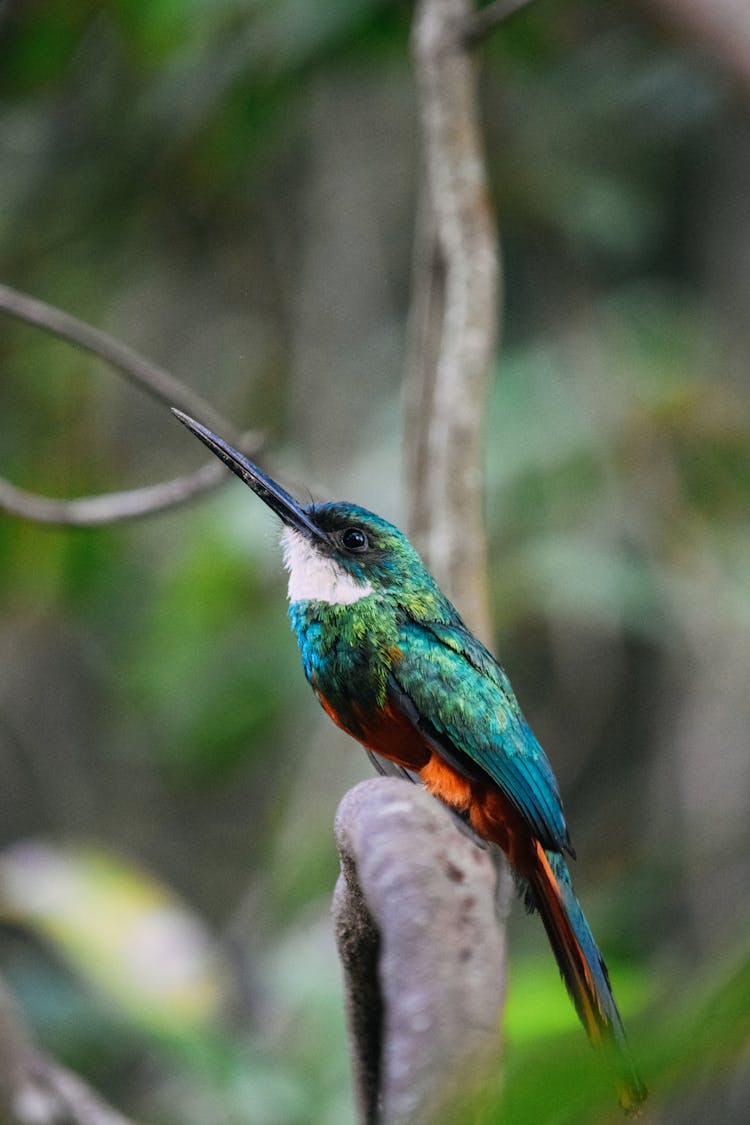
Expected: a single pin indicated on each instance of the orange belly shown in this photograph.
(443, 781)
(390, 733)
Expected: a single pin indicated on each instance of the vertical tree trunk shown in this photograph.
(454, 317)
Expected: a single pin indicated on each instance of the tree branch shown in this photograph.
(112, 507)
(422, 950)
(34, 1089)
(147, 376)
(454, 314)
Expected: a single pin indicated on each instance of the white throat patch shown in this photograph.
(313, 577)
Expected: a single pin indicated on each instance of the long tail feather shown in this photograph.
(583, 969)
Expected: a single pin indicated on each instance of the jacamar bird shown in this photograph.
(393, 665)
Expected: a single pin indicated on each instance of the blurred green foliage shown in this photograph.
(229, 187)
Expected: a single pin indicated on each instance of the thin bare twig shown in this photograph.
(114, 507)
(147, 376)
(455, 310)
(484, 21)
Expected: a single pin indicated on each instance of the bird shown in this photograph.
(393, 664)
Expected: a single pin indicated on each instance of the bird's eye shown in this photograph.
(354, 539)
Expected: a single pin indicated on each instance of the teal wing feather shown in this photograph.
(454, 690)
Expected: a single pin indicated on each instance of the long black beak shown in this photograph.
(271, 493)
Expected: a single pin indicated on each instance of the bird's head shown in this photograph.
(336, 552)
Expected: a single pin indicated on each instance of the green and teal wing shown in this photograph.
(461, 700)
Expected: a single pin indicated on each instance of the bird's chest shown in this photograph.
(346, 654)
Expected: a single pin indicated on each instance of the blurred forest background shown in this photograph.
(230, 189)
